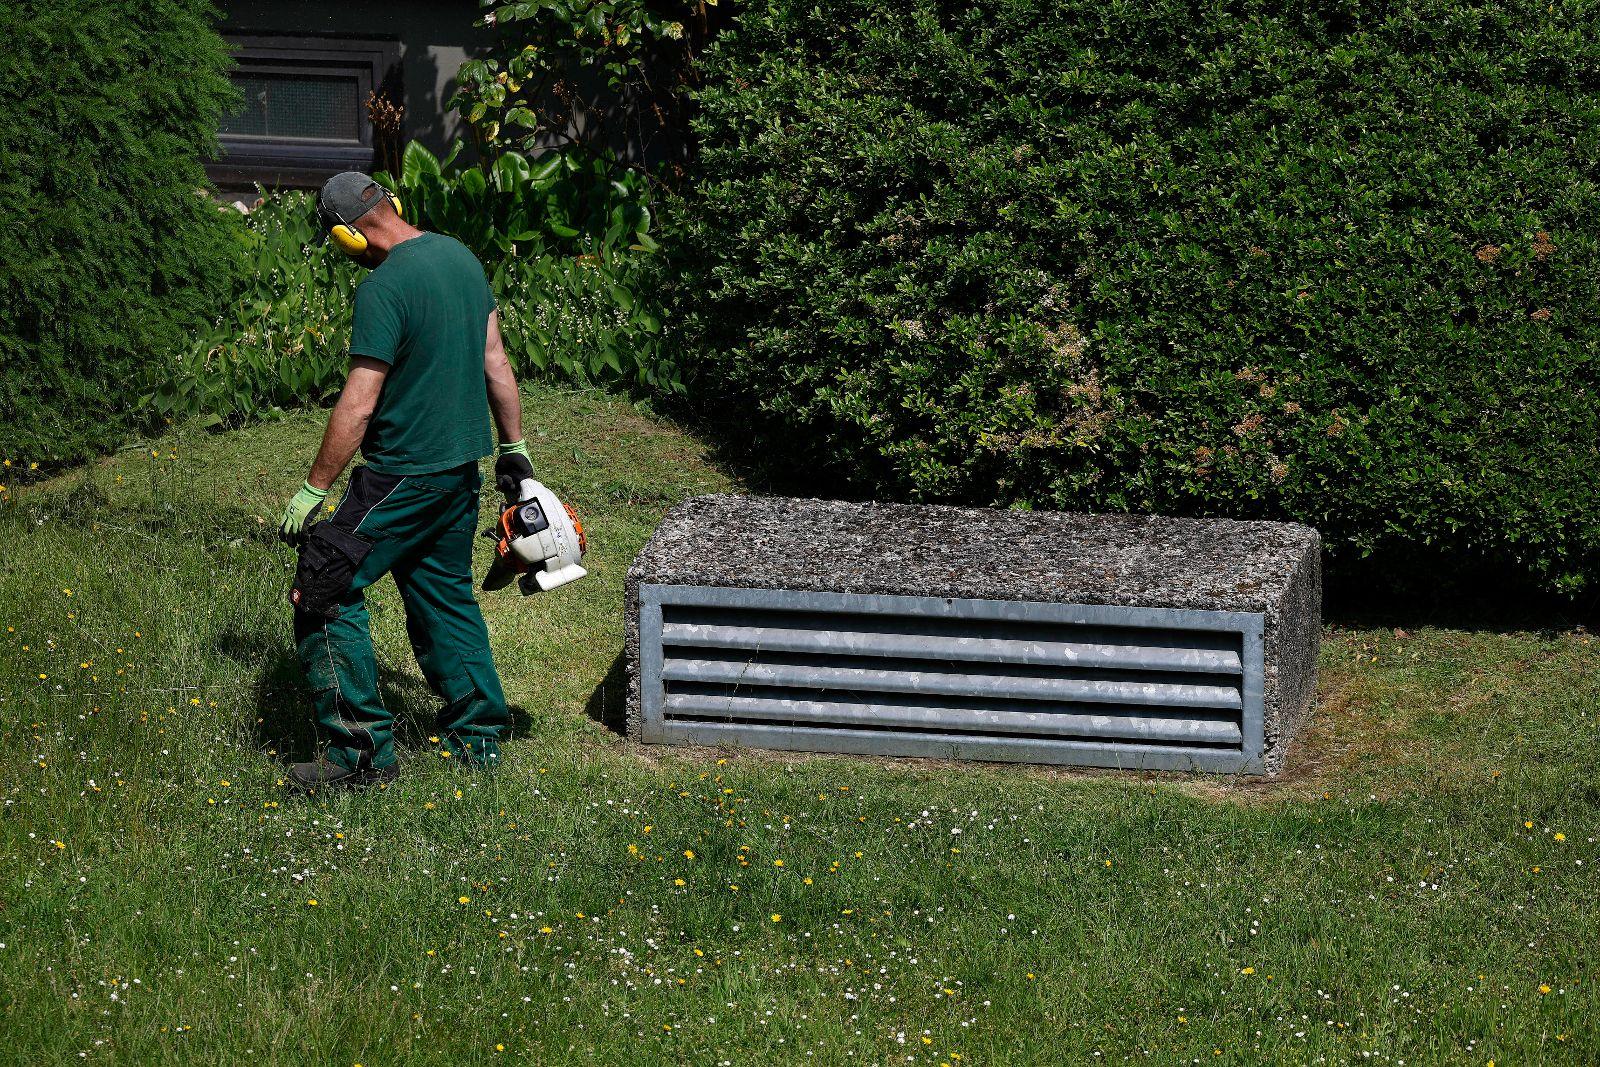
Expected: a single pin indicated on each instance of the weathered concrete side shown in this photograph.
(1126, 560)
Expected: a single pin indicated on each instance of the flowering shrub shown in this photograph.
(1329, 263)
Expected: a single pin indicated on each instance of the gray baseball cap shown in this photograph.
(346, 197)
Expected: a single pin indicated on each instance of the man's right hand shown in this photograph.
(519, 447)
(291, 529)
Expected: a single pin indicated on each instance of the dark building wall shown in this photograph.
(431, 39)
(424, 44)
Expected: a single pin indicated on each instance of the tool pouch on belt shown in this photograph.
(328, 561)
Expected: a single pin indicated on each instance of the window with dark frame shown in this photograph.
(303, 116)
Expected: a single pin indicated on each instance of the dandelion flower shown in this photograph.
(463, 900)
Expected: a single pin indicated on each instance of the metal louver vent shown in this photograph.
(1134, 688)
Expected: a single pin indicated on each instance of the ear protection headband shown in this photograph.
(351, 241)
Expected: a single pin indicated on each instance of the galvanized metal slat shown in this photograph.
(1122, 755)
(971, 649)
(1041, 723)
(875, 616)
(817, 676)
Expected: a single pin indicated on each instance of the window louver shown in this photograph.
(1134, 688)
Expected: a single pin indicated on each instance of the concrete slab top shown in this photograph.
(985, 554)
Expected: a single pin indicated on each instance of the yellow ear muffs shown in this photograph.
(395, 200)
(351, 241)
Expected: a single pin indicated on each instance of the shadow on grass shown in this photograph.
(608, 704)
(285, 726)
(1409, 592)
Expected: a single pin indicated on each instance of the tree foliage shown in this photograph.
(109, 248)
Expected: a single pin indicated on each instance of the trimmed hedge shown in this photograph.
(1334, 261)
(110, 253)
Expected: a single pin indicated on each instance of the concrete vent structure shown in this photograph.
(1109, 641)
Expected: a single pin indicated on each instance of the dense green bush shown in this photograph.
(1330, 261)
(110, 254)
(567, 299)
(281, 338)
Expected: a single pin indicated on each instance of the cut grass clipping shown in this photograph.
(1421, 887)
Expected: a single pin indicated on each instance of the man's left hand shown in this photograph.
(291, 529)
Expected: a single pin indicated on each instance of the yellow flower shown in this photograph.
(463, 900)
(1248, 970)
(1527, 824)
(1543, 990)
(677, 881)
(777, 918)
(546, 930)
(311, 903)
(1561, 837)
(688, 853)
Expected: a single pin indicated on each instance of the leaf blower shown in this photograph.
(537, 537)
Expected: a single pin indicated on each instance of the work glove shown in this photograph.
(519, 446)
(291, 529)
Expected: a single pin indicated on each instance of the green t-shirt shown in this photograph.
(425, 312)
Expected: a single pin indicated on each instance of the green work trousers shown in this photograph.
(420, 529)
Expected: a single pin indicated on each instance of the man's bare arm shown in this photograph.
(504, 402)
(347, 423)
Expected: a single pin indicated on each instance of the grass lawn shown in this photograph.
(1420, 888)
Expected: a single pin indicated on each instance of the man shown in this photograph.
(427, 367)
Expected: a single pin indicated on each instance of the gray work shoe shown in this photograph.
(325, 774)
